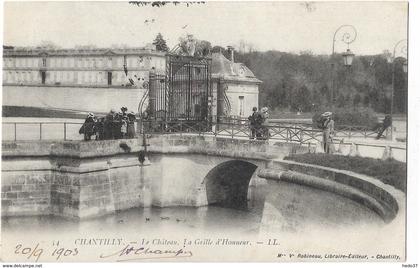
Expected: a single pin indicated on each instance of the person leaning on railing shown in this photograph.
(385, 124)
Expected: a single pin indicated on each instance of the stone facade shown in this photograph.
(95, 80)
(26, 187)
(80, 67)
(85, 179)
(88, 179)
(236, 87)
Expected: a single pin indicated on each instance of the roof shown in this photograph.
(83, 51)
(225, 69)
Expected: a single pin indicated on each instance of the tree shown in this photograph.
(217, 49)
(204, 48)
(286, 75)
(341, 100)
(366, 101)
(85, 47)
(48, 45)
(357, 99)
(160, 43)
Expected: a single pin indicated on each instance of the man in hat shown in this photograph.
(117, 125)
(108, 125)
(254, 122)
(327, 131)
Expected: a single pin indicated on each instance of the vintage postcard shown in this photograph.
(266, 131)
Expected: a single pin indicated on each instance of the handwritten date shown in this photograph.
(36, 252)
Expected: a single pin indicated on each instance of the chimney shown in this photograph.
(231, 51)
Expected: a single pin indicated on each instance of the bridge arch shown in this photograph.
(227, 183)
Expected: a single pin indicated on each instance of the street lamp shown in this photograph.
(349, 34)
(348, 57)
(402, 49)
(405, 66)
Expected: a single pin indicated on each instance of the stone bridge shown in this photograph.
(88, 179)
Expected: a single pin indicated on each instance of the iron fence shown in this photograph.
(299, 133)
(41, 131)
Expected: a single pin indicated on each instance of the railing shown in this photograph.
(41, 131)
(289, 132)
(233, 130)
(296, 133)
(304, 134)
(342, 131)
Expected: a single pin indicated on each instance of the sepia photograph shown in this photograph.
(246, 131)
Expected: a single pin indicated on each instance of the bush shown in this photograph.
(349, 117)
(390, 172)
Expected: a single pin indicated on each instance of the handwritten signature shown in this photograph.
(131, 253)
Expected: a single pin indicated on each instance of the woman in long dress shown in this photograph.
(327, 132)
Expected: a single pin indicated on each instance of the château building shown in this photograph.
(78, 67)
(101, 79)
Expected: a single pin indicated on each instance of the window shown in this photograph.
(109, 78)
(79, 78)
(44, 62)
(43, 77)
(241, 105)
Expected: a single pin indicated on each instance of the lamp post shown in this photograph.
(349, 34)
(402, 48)
(143, 158)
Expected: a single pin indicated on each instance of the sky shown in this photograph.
(283, 26)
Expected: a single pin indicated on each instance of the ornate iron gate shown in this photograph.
(183, 94)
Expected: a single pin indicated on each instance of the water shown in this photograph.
(361, 230)
(204, 219)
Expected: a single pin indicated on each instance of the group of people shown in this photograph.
(258, 122)
(115, 125)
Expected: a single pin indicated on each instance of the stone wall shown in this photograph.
(26, 187)
(383, 199)
(86, 179)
